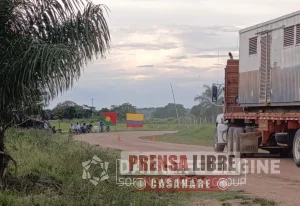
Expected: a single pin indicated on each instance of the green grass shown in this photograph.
(50, 173)
(245, 199)
(64, 125)
(193, 135)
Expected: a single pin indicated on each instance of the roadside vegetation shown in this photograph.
(49, 172)
(191, 135)
(64, 125)
(149, 124)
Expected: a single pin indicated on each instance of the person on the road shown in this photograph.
(101, 125)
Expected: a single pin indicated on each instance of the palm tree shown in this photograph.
(207, 94)
(207, 107)
(44, 45)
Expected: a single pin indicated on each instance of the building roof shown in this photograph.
(270, 22)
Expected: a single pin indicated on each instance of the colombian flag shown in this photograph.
(134, 120)
(109, 118)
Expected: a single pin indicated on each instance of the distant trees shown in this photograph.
(123, 109)
(70, 110)
(146, 111)
(197, 110)
(204, 109)
(169, 111)
(104, 109)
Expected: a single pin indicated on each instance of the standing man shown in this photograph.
(78, 128)
(101, 125)
(71, 128)
(45, 125)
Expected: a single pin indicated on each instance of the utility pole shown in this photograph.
(175, 105)
(92, 105)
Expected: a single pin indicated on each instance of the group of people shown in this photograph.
(85, 128)
(47, 126)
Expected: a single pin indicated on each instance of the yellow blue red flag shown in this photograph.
(134, 120)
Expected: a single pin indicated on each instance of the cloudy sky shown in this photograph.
(158, 42)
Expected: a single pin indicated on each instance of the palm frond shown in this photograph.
(44, 45)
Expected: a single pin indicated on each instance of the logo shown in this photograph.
(95, 170)
(140, 184)
(223, 184)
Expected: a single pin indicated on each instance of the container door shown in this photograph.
(265, 69)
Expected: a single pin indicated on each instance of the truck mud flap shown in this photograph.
(249, 142)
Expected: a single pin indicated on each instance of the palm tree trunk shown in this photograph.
(3, 162)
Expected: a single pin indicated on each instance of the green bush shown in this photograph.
(50, 173)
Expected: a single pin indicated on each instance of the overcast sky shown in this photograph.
(158, 42)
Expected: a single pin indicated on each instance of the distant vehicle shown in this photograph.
(31, 123)
(262, 92)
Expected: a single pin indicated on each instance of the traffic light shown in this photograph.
(214, 93)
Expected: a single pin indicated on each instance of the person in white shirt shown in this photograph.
(71, 128)
(45, 125)
(78, 127)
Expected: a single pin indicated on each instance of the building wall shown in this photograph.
(284, 61)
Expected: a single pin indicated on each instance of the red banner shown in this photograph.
(110, 117)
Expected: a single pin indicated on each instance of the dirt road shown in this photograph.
(284, 188)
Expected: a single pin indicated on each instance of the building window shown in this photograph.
(252, 45)
(298, 34)
(289, 36)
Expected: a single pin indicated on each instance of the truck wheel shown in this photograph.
(230, 139)
(236, 138)
(218, 147)
(296, 148)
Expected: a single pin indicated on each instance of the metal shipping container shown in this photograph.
(269, 66)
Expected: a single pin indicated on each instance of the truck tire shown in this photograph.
(236, 138)
(218, 147)
(230, 139)
(296, 148)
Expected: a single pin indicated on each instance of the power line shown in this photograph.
(218, 66)
(92, 105)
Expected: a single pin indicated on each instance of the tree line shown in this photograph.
(71, 110)
(204, 109)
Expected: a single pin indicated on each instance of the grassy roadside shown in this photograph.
(50, 173)
(64, 125)
(194, 135)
